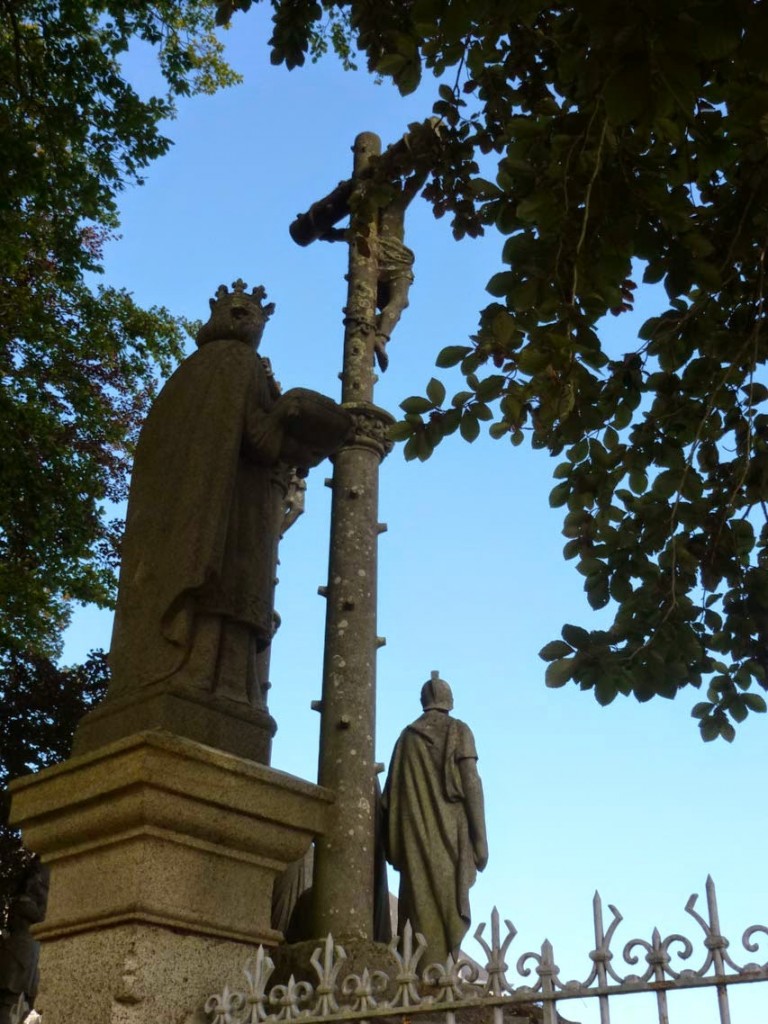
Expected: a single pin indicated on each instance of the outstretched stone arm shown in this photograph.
(263, 435)
(301, 429)
(474, 803)
(320, 219)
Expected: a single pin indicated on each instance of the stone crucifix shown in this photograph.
(379, 275)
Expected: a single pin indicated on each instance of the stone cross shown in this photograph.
(378, 278)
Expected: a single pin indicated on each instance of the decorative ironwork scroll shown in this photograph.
(433, 988)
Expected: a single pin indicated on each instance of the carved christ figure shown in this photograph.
(394, 259)
(395, 264)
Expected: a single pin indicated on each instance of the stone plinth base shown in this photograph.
(228, 725)
(133, 974)
(163, 853)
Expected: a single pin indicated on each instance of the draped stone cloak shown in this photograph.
(203, 514)
(427, 830)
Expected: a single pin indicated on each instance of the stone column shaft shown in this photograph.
(343, 882)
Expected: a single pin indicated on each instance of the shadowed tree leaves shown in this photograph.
(628, 142)
(78, 365)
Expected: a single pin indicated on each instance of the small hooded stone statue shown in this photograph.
(435, 823)
(19, 951)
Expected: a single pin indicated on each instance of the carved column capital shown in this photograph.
(370, 424)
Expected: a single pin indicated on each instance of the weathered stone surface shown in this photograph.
(345, 856)
(435, 823)
(162, 853)
(195, 607)
(133, 974)
(198, 715)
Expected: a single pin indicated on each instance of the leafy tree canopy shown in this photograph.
(77, 364)
(628, 141)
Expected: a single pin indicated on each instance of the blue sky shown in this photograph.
(626, 799)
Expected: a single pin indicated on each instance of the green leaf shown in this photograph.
(590, 566)
(579, 451)
(559, 672)
(451, 355)
(605, 691)
(391, 64)
(484, 189)
(576, 637)
(754, 702)
(436, 392)
(555, 650)
(469, 427)
(451, 420)
(416, 404)
(620, 587)
(559, 495)
(423, 444)
(503, 327)
(737, 707)
(525, 295)
(533, 360)
(597, 590)
(622, 417)
(627, 92)
(500, 284)
(715, 37)
(506, 216)
(709, 728)
(400, 431)
(638, 482)
(461, 398)
(755, 392)
(410, 451)
(743, 536)
(530, 208)
(491, 387)
(572, 548)
(701, 710)
(665, 484)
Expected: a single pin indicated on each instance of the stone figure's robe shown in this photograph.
(203, 515)
(427, 831)
(19, 975)
(19, 950)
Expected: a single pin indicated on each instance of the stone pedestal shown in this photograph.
(197, 714)
(163, 853)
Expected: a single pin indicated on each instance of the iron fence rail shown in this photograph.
(453, 987)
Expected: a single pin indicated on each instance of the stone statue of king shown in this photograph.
(207, 500)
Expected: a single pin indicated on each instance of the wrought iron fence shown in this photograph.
(450, 988)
